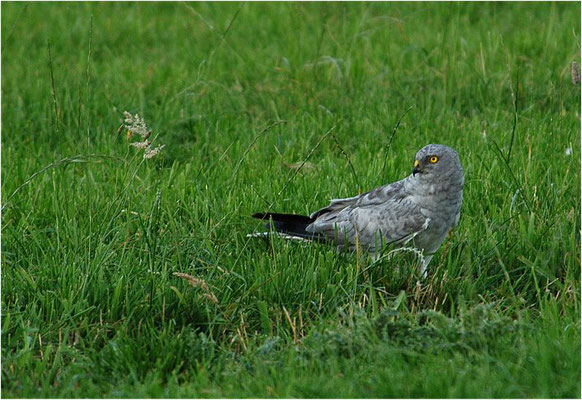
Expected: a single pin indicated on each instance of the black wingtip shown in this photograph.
(291, 224)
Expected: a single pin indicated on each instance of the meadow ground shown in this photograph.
(282, 107)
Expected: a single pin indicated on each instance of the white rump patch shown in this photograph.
(265, 235)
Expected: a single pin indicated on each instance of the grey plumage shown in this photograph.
(418, 210)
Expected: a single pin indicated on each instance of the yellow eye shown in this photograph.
(434, 159)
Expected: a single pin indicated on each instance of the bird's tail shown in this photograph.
(288, 226)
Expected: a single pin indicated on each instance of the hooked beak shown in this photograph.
(416, 170)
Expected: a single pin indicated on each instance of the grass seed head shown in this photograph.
(136, 125)
(192, 280)
(150, 153)
(198, 283)
(211, 297)
(141, 145)
(575, 73)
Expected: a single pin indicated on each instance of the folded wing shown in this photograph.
(384, 215)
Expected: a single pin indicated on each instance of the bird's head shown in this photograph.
(437, 162)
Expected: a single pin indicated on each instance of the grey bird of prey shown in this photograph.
(417, 211)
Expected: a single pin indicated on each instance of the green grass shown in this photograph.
(238, 93)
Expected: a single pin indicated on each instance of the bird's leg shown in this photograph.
(358, 252)
(423, 264)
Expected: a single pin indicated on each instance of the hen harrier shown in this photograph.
(417, 211)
